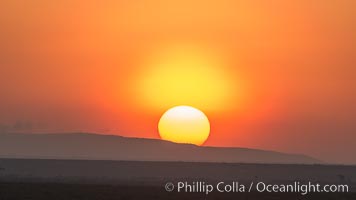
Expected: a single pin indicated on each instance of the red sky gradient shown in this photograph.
(77, 65)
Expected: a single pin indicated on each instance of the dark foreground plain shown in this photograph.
(100, 180)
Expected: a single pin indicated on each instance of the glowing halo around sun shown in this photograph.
(186, 75)
(184, 124)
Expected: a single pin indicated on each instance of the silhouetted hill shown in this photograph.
(110, 147)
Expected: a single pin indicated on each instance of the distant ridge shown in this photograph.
(90, 146)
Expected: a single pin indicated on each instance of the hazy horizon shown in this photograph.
(157, 139)
(89, 146)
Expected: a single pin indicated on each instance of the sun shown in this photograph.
(184, 124)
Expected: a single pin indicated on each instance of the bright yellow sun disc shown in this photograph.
(184, 124)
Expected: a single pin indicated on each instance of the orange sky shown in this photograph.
(78, 65)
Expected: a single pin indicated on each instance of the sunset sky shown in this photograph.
(275, 75)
